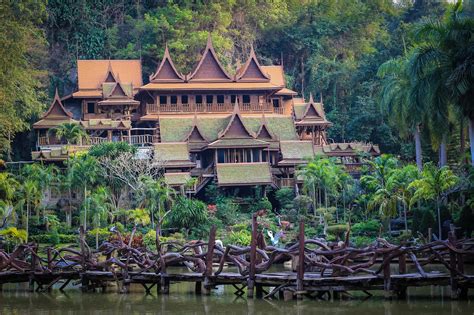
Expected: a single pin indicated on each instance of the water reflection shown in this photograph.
(15, 300)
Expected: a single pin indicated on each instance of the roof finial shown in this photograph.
(236, 107)
(311, 98)
(281, 58)
(209, 40)
(252, 50)
(56, 95)
(321, 97)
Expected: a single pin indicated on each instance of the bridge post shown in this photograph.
(209, 260)
(402, 269)
(300, 274)
(253, 258)
(453, 266)
(386, 279)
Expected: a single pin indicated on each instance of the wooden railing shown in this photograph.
(287, 182)
(141, 139)
(211, 108)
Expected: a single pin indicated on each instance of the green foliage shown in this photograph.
(14, 236)
(362, 241)
(111, 149)
(73, 133)
(187, 213)
(242, 238)
(337, 230)
(285, 197)
(22, 77)
(368, 228)
(102, 234)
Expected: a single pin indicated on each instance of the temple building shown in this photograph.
(240, 129)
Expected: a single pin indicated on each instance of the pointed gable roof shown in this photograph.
(110, 76)
(263, 132)
(57, 110)
(195, 135)
(251, 70)
(236, 127)
(311, 110)
(209, 67)
(166, 71)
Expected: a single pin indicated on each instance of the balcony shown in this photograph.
(135, 140)
(211, 108)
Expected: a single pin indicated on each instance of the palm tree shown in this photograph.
(434, 184)
(99, 203)
(400, 99)
(8, 186)
(401, 179)
(29, 196)
(83, 175)
(379, 184)
(157, 197)
(72, 132)
(444, 64)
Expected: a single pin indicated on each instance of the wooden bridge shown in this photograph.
(327, 269)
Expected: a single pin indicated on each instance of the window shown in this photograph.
(174, 99)
(264, 156)
(233, 98)
(163, 99)
(90, 108)
(198, 99)
(276, 102)
(249, 155)
(220, 99)
(220, 156)
(245, 98)
(209, 99)
(184, 99)
(256, 155)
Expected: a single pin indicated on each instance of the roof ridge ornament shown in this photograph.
(209, 50)
(244, 69)
(236, 115)
(57, 100)
(167, 59)
(110, 75)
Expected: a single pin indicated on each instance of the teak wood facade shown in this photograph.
(241, 129)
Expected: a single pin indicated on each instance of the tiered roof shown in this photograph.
(210, 75)
(209, 67)
(55, 115)
(173, 155)
(251, 71)
(166, 71)
(295, 152)
(114, 92)
(349, 149)
(240, 174)
(91, 76)
(310, 114)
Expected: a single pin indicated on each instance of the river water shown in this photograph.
(15, 299)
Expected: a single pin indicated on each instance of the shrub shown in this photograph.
(13, 236)
(362, 241)
(285, 198)
(242, 238)
(103, 235)
(337, 230)
(368, 228)
(187, 213)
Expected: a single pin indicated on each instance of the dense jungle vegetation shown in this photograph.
(395, 73)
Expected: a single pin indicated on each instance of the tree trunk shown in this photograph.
(85, 208)
(471, 138)
(405, 215)
(443, 154)
(27, 220)
(440, 236)
(97, 238)
(418, 152)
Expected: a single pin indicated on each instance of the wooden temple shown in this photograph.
(240, 129)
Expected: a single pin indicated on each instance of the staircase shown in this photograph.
(203, 179)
